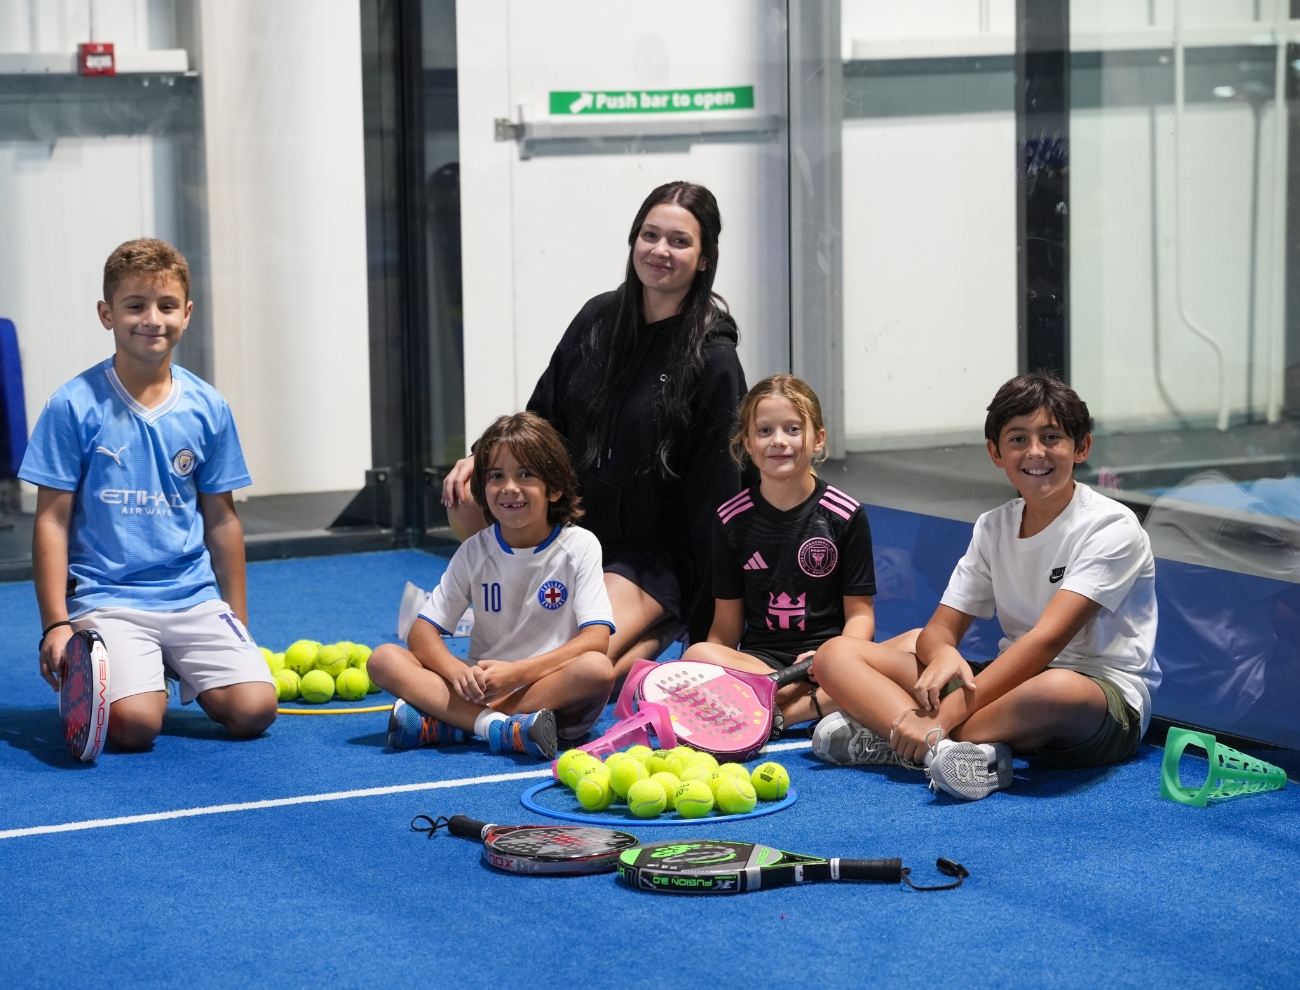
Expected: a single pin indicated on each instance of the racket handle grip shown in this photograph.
(795, 672)
(879, 870)
(466, 828)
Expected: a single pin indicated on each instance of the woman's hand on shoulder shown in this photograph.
(455, 486)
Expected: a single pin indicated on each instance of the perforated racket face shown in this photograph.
(556, 849)
(83, 695)
(711, 708)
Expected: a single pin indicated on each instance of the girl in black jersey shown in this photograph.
(792, 565)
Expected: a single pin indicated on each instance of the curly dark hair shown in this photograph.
(1025, 394)
(538, 447)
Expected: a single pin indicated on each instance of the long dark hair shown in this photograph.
(620, 329)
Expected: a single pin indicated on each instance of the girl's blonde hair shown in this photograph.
(789, 387)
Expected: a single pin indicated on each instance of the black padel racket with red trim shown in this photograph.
(720, 866)
(538, 849)
(83, 695)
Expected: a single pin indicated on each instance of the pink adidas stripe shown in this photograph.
(733, 500)
(848, 501)
(836, 508)
(731, 514)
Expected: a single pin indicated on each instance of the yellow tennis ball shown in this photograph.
(594, 792)
(614, 759)
(277, 662)
(300, 657)
(286, 685)
(669, 783)
(316, 686)
(332, 659)
(646, 799)
(565, 761)
(625, 774)
(693, 799)
(702, 760)
(639, 752)
(696, 771)
(267, 655)
(665, 761)
(374, 688)
(685, 754)
(584, 769)
(736, 797)
(771, 781)
(351, 684)
(736, 770)
(358, 654)
(715, 780)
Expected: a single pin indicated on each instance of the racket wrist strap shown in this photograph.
(50, 628)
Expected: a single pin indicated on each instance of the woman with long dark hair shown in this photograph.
(644, 387)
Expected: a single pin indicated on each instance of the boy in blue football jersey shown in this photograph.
(136, 534)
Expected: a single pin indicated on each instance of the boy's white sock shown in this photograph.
(485, 718)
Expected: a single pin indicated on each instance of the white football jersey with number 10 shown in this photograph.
(526, 601)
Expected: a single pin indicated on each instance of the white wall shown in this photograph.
(66, 204)
(541, 236)
(286, 198)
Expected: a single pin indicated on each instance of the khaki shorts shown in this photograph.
(203, 647)
(1114, 742)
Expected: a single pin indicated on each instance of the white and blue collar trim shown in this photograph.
(496, 531)
(148, 415)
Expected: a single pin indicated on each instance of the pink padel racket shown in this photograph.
(83, 695)
(729, 713)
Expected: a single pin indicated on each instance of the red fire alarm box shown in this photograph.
(95, 58)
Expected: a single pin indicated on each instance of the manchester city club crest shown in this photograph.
(184, 461)
(818, 557)
(552, 595)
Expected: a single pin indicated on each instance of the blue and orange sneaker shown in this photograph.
(410, 728)
(532, 733)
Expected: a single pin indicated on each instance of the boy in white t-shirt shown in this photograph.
(1071, 577)
(537, 671)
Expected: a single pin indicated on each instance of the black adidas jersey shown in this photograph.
(792, 568)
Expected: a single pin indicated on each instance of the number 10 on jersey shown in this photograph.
(492, 598)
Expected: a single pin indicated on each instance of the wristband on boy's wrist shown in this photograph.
(52, 626)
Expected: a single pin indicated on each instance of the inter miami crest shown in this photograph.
(818, 557)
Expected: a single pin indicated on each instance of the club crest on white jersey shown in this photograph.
(552, 595)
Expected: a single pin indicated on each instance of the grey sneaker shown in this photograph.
(840, 740)
(969, 771)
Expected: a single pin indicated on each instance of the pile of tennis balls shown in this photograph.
(317, 672)
(682, 779)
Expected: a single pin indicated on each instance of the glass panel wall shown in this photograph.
(234, 131)
(1183, 337)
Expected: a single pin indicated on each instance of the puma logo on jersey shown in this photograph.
(116, 455)
(756, 563)
(1056, 575)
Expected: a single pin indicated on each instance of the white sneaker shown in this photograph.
(969, 771)
(844, 742)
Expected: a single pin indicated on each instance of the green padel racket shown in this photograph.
(720, 866)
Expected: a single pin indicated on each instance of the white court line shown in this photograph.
(221, 809)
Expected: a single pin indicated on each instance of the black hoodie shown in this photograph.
(629, 505)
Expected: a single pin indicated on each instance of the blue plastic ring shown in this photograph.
(760, 809)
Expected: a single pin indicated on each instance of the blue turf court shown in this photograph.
(1077, 879)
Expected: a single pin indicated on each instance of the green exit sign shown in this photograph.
(568, 104)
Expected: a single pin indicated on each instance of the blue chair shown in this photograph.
(13, 409)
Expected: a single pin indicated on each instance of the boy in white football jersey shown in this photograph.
(1071, 576)
(136, 534)
(537, 671)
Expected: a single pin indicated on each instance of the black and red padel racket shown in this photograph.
(538, 849)
(83, 695)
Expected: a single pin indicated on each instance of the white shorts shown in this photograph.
(203, 647)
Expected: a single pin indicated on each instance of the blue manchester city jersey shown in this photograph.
(136, 539)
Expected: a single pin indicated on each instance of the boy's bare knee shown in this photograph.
(247, 721)
(134, 723)
(246, 709)
(594, 671)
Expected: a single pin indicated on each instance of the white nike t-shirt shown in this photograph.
(1095, 548)
(526, 601)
